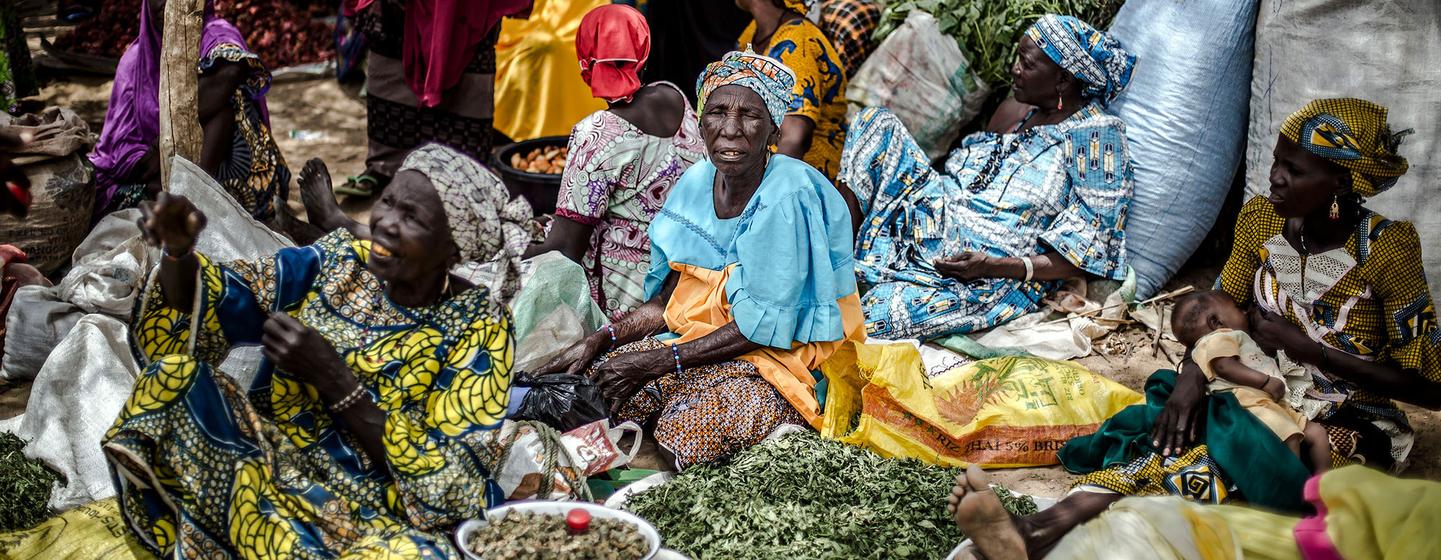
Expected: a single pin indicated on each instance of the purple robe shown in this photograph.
(132, 122)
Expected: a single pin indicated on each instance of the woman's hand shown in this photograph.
(623, 375)
(1273, 332)
(575, 359)
(171, 223)
(1176, 427)
(302, 351)
(968, 265)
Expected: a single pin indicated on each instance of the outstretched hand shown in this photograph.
(1179, 423)
(580, 355)
(172, 223)
(969, 265)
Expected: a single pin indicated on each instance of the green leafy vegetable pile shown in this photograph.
(988, 30)
(24, 486)
(802, 496)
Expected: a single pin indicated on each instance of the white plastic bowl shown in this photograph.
(462, 534)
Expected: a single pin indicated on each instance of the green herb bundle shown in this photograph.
(24, 486)
(988, 30)
(803, 497)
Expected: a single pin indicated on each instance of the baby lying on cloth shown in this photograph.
(1271, 389)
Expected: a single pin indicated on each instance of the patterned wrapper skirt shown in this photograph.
(707, 413)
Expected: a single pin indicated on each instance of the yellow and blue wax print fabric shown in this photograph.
(1064, 187)
(1354, 134)
(1093, 56)
(205, 468)
(819, 93)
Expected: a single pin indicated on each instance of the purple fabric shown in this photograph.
(132, 121)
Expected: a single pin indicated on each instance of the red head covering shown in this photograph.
(613, 43)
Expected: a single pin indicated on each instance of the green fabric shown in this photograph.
(962, 344)
(1250, 455)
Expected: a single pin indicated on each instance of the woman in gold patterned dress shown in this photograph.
(364, 430)
(1336, 287)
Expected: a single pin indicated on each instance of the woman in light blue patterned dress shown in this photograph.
(1038, 197)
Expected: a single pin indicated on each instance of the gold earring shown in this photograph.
(1335, 207)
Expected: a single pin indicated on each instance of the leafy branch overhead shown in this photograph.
(988, 30)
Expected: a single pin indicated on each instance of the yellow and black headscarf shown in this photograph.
(1354, 134)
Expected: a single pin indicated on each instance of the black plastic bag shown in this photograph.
(561, 401)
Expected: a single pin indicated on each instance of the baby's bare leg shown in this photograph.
(1318, 447)
(1294, 444)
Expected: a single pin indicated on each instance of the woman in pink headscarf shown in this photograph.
(430, 77)
(238, 149)
(623, 160)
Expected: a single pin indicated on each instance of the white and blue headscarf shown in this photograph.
(1094, 57)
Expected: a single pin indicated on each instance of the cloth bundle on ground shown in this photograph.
(1383, 52)
(1360, 513)
(1185, 116)
(60, 179)
(552, 311)
(1001, 412)
(109, 267)
(925, 79)
(88, 368)
(111, 264)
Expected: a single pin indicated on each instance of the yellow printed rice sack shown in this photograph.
(1000, 412)
(87, 532)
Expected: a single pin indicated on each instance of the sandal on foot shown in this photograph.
(364, 185)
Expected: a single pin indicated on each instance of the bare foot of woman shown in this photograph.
(316, 194)
(979, 514)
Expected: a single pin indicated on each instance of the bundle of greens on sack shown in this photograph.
(801, 496)
(988, 30)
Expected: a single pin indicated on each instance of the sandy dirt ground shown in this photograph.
(319, 118)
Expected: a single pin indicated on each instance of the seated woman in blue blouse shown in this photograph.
(751, 280)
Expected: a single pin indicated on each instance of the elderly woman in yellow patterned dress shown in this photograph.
(363, 431)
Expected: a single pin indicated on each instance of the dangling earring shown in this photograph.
(1060, 103)
(1335, 208)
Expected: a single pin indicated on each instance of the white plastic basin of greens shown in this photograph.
(647, 531)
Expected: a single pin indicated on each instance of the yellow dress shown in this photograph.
(538, 90)
(204, 468)
(820, 90)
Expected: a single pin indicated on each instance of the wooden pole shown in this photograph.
(180, 133)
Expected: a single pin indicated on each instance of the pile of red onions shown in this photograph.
(280, 33)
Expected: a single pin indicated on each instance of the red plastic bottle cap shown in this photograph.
(577, 521)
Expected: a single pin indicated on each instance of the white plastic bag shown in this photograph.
(527, 457)
(922, 76)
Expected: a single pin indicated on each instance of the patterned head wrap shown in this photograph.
(1094, 57)
(491, 229)
(1352, 133)
(764, 75)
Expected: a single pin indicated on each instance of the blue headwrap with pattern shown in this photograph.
(1094, 57)
(766, 76)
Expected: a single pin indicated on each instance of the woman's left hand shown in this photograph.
(969, 265)
(1273, 332)
(302, 351)
(622, 376)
